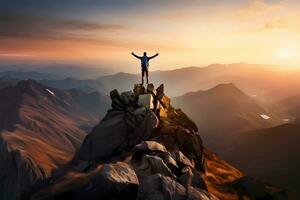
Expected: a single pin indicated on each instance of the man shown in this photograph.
(144, 64)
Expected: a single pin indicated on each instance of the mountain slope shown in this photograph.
(41, 129)
(292, 106)
(272, 155)
(139, 153)
(87, 85)
(224, 111)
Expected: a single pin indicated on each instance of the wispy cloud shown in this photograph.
(41, 27)
(273, 24)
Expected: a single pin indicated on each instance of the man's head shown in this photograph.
(145, 53)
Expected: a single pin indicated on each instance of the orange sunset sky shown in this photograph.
(185, 33)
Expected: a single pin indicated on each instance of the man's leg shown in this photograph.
(143, 73)
(147, 73)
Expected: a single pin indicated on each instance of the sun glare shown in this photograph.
(285, 54)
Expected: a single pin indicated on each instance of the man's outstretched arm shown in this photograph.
(153, 56)
(135, 55)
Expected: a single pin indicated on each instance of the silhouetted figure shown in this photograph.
(144, 64)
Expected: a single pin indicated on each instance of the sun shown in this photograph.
(285, 53)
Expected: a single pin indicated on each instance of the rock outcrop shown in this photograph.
(143, 149)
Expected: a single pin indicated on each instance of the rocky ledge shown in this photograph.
(146, 149)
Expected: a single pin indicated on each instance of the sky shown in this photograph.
(184, 32)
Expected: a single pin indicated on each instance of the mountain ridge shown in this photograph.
(41, 128)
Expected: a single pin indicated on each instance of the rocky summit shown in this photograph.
(146, 149)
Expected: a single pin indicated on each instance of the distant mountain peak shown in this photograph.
(226, 87)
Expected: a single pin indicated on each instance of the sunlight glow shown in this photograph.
(285, 54)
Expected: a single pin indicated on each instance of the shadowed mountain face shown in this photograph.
(270, 154)
(292, 106)
(41, 129)
(223, 112)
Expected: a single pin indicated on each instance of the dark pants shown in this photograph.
(145, 71)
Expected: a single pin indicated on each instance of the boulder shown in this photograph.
(146, 100)
(175, 137)
(114, 134)
(108, 181)
(129, 98)
(192, 178)
(106, 138)
(182, 160)
(152, 165)
(150, 88)
(139, 89)
(159, 187)
(147, 146)
(160, 91)
(117, 102)
(143, 130)
(117, 178)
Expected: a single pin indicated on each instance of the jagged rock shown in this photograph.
(176, 137)
(147, 146)
(183, 161)
(129, 98)
(152, 165)
(108, 181)
(117, 101)
(192, 178)
(146, 100)
(158, 187)
(106, 138)
(150, 88)
(170, 162)
(139, 89)
(166, 102)
(143, 130)
(114, 134)
(160, 91)
(180, 118)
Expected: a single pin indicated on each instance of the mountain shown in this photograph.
(224, 111)
(4, 82)
(272, 154)
(57, 70)
(41, 129)
(292, 106)
(265, 82)
(155, 153)
(24, 75)
(86, 85)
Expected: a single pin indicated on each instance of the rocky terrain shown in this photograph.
(146, 149)
(41, 129)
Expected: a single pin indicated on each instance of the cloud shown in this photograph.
(24, 27)
(258, 8)
(272, 25)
